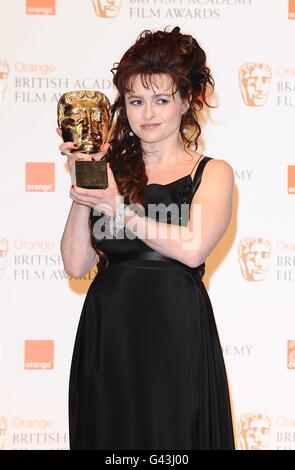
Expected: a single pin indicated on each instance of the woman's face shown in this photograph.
(154, 114)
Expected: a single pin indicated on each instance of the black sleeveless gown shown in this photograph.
(147, 369)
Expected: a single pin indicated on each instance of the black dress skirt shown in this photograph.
(147, 369)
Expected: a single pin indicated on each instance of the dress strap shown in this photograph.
(198, 175)
(196, 163)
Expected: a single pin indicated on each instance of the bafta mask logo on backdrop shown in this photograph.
(253, 431)
(107, 8)
(253, 254)
(40, 7)
(4, 72)
(3, 255)
(40, 177)
(254, 80)
(291, 179)
(39, 354)
(291, 354)
(291, 15)
(3, 432)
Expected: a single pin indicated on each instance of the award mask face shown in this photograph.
(84, 119)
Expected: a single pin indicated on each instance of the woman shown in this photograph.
(147, 369)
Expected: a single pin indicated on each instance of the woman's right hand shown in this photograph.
(68, 149)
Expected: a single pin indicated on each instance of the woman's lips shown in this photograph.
(149, 126)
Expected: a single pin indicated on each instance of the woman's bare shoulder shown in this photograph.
(219, 167)
(217, 178)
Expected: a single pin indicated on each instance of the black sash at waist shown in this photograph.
(154, 256)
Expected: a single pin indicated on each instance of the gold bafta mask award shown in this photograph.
(83, 117)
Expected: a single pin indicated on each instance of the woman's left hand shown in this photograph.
(103, 200)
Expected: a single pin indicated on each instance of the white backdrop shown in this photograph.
(51, 46)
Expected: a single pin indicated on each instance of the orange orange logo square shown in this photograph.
(291, 354)
(40, 176)
(291, 179)
(39, 354)
(291, 9)
(40, 7)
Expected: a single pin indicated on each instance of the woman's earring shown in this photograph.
(184, 130)
(131, 134)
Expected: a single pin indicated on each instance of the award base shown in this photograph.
(90, 174)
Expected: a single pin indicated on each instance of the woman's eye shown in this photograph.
(136, 102)
(163, 100)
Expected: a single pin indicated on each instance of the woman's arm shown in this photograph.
(210, 214)
(76, 250)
